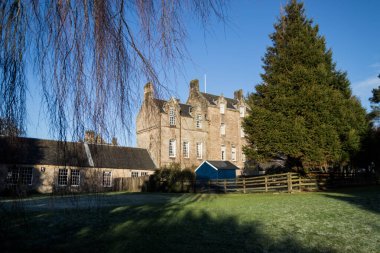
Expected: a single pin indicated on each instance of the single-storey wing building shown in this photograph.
(47, 165)
(211, 170)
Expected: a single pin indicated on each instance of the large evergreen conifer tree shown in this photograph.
(303, 108)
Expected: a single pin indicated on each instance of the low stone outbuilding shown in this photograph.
(47, 165)
(211, 170)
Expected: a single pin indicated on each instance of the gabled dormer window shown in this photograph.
(171, 116)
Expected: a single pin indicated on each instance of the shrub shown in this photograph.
(172, 179)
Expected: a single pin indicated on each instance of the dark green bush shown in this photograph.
(172, 179)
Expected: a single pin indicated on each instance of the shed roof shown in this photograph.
(21, 150)
(220, 165)
(223, 165)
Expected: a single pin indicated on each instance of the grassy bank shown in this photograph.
(343, 221)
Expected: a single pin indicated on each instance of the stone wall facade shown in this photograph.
(46, 179)
(195, 128)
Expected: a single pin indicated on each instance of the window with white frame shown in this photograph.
(62, 177)
(26, 175)
(186, 149)
(223, 153)
(172, 148)
(75, 177)
(12, 176)
(233, 153)
(223, 129)
(135, 174)
(199, 121)
(199, 150)
(171, 116)
(144, 173)
(242, 134)
(107, 178)
(21, 175)
(222, 108)
(242, 111)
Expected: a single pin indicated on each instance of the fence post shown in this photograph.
(266, 183)
(225, 185)
(299, 183)
(209, 186)
(243, 184)
(290, 182)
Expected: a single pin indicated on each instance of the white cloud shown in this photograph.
(376, 65)
(367, 83)
(363, 89)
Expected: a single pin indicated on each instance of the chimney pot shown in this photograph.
(238, 95)
(89, 136)
(194, 85)
(148, 91)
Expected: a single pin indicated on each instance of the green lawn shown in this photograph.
(342, 221)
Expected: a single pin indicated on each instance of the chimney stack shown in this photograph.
(89, 136)
(238, 95)
(148, 91)
(194, 85)
(114, 141)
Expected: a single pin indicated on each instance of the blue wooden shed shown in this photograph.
(216, 170)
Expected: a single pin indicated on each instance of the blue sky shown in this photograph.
(230, 55)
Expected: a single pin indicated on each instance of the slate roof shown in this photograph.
(185, 109)
(21, 150)
(223, 165)
(107, 156)
(32, 151)
(213, 98)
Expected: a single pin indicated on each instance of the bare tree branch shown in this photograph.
(91, 56)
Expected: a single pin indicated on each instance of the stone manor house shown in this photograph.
(206, 127)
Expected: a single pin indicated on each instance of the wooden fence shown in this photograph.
(131, 184)
(287, 182)
(280, 182)
(335, 180)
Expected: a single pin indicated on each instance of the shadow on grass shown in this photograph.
(172, 225)
(365, 197)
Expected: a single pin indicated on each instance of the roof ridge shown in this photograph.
(115, 146)
(217, 96)
(162, 100)
(39, 139)
(72, 142)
